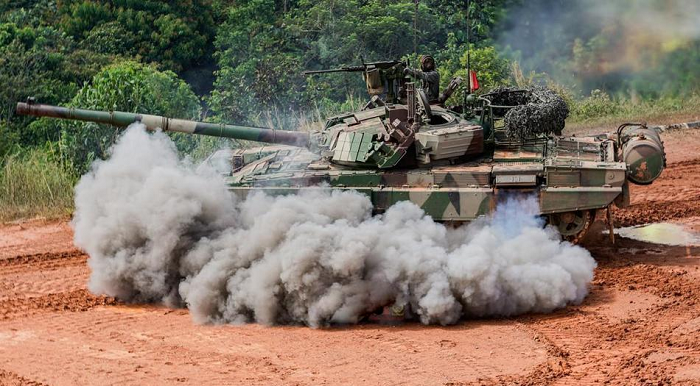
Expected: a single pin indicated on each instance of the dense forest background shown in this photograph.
(241, 61)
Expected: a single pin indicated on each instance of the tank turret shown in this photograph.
(383, 137)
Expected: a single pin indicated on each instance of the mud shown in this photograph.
(639, 325)
(661, 233)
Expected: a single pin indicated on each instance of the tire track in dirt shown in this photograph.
(674, 195)
(42, 261)
(75, 301)
(652, 212)
(462, 351)
(38, 283)
(36, 236)
(28, 276)
(8, 378)
(142, 344)
(648, 345)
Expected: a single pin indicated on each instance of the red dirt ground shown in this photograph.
(639, 325)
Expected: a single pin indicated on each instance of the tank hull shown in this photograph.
(566, 175)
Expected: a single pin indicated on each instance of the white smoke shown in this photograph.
(157, 230)
(602, 43)
(665, 20)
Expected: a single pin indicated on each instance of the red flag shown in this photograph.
(473, 81)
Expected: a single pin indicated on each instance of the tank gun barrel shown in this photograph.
(676, 126)
(154, 122)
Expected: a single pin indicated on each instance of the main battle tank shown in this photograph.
(455, 163)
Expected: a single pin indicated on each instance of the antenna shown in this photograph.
(469, 75)
(415, 29)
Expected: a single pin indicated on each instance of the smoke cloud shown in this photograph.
(607, 44)
(157, 230)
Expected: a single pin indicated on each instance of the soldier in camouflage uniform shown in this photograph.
(429, 77)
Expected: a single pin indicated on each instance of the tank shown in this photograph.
(456, 163)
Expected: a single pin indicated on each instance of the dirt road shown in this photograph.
(639, 325)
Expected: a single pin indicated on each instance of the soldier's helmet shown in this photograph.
(427, 63)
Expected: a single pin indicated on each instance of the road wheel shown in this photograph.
(573, 225)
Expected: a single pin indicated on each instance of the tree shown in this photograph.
(491, 68)
(174, 34)
(39, 61)
(126, 86)
(263, 45)
(259, 64)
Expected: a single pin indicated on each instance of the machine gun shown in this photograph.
(385, 80)
(384, 65)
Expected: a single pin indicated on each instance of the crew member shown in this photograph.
(429, 77)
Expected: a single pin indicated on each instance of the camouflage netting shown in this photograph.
(538, 110)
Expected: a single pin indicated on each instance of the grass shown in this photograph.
(589, 114)
(599, 107)
(34, 184)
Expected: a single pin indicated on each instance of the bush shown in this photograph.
(126, 86)
(598, 104)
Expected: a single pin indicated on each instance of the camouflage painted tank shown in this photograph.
(455, 165)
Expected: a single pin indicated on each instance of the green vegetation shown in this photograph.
(601, 109)
(125, 86)
(34, 183)
(241, 61)
(625, 47)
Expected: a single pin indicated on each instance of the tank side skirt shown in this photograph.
(464, 204)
